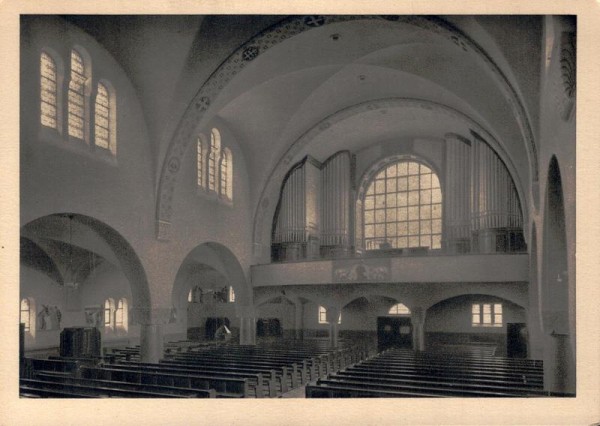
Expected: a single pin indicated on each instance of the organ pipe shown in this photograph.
(335, 200)
(291, 221)
(495, 203)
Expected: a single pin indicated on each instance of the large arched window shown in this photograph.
(104, 118)
(49, 91)
(77, 101)
(213, 159)
(403, 207)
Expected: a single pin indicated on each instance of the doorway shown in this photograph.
(516, 340)
(394, 332)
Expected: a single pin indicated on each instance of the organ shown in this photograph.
(319, 214)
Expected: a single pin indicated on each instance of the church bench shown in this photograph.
(457, 378)
(277, 373)
(76, 390)
(31, 391)
(454, 374)
(181, 392)
(283, 369)
(256, 379)
(450, 369)
(336, 390)
(479, 363)
(378, 384)
(65, 366)
(437, 384)
(456, 363)
(225, 387)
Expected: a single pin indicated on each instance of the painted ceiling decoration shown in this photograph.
(280, 32)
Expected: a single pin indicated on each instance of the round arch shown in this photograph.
(266, 205)
(493, 291)
(220, 259)
(94, 235)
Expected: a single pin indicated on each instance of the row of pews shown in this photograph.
(406, 373)
(191, 370)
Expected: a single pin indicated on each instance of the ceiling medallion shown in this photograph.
(314, 21)
(250, 53)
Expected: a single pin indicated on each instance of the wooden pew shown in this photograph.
(255, 380)
(225, 387)
(181, 392)
(455, 378)
(431, 384)
(80, 390)
(411, 373)
(323, 390)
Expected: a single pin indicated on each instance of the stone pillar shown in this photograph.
(418, 324)
(151, 343)
(535, 336)
(332, 315)
(299, 320)
(248, 331)
(559, 370)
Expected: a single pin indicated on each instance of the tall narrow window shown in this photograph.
(102, 118)
(226, 188)
(403, 208)
(77, 96)
(48, 94)
(26, 314)
(213, 159)
(109, 307)
(119, 314)
(121, 319)
(231, 295)
(323, 316)
(201, 162)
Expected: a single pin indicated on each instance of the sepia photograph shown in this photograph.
(298, 206)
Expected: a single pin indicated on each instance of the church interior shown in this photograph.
(331, 205)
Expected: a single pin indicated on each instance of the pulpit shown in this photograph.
(80, 342)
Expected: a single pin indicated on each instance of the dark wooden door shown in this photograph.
(516, 340)
(394, 332)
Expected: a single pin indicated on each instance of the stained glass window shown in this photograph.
(102, 117)
(213, 159)
(77, 96)
(48, 94)
(226, 174)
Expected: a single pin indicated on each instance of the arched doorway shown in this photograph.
(211, 288)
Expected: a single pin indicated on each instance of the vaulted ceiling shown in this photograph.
(484, 68)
